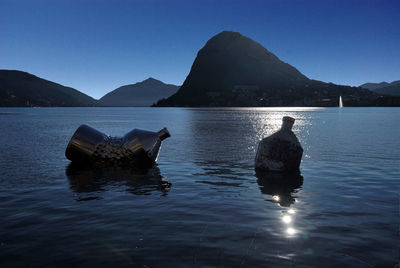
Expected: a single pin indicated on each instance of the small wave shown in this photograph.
(11, 114)
(221, 183)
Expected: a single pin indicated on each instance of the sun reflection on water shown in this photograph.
(287, 219)
(276, 198)
(282, 187)
(291, 231)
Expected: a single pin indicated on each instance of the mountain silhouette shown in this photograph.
(144, 93)
(22, 89)
(384, 88)
(233, 70)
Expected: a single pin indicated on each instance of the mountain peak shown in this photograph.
(234, 70)
(143, 93)
(229, 61)
(151, 79)
(225, 34)
(226, 39)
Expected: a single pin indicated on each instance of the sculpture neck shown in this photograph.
(287, 123)
(163, 134)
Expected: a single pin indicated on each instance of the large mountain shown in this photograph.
(233, 70)
(144, 93)
(384, 88)
(25, 90)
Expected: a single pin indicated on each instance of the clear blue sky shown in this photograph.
(96, 46)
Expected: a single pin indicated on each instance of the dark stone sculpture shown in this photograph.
(138, 148)
(281, 151)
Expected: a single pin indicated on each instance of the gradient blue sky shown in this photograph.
(96, 46)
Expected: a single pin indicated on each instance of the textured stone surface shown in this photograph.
(279, 152)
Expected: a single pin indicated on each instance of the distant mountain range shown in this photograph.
(144, 93)
(23, 89)
(384, 88)
(230, 70)
(233, 70)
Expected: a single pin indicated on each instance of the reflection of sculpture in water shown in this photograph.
(89, 179)
(281, 186)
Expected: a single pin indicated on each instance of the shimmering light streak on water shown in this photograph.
(290, 231)
(287, 219)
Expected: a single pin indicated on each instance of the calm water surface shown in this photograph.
(215, 211)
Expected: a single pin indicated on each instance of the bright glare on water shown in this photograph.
(203, 205)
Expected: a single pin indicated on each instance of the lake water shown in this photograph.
(202, 206)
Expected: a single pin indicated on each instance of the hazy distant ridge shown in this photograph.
(384, 88)
(144, 93)
(22, 89)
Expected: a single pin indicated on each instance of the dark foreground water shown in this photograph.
(215, 212)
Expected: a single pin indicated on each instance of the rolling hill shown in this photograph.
(144, 93)
(21, 89)
(384, 88)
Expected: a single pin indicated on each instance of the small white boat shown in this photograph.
(340, 102)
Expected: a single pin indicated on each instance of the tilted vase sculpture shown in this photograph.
(138, 147)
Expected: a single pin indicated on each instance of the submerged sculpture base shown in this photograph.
(96, 178)
(282, 185)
